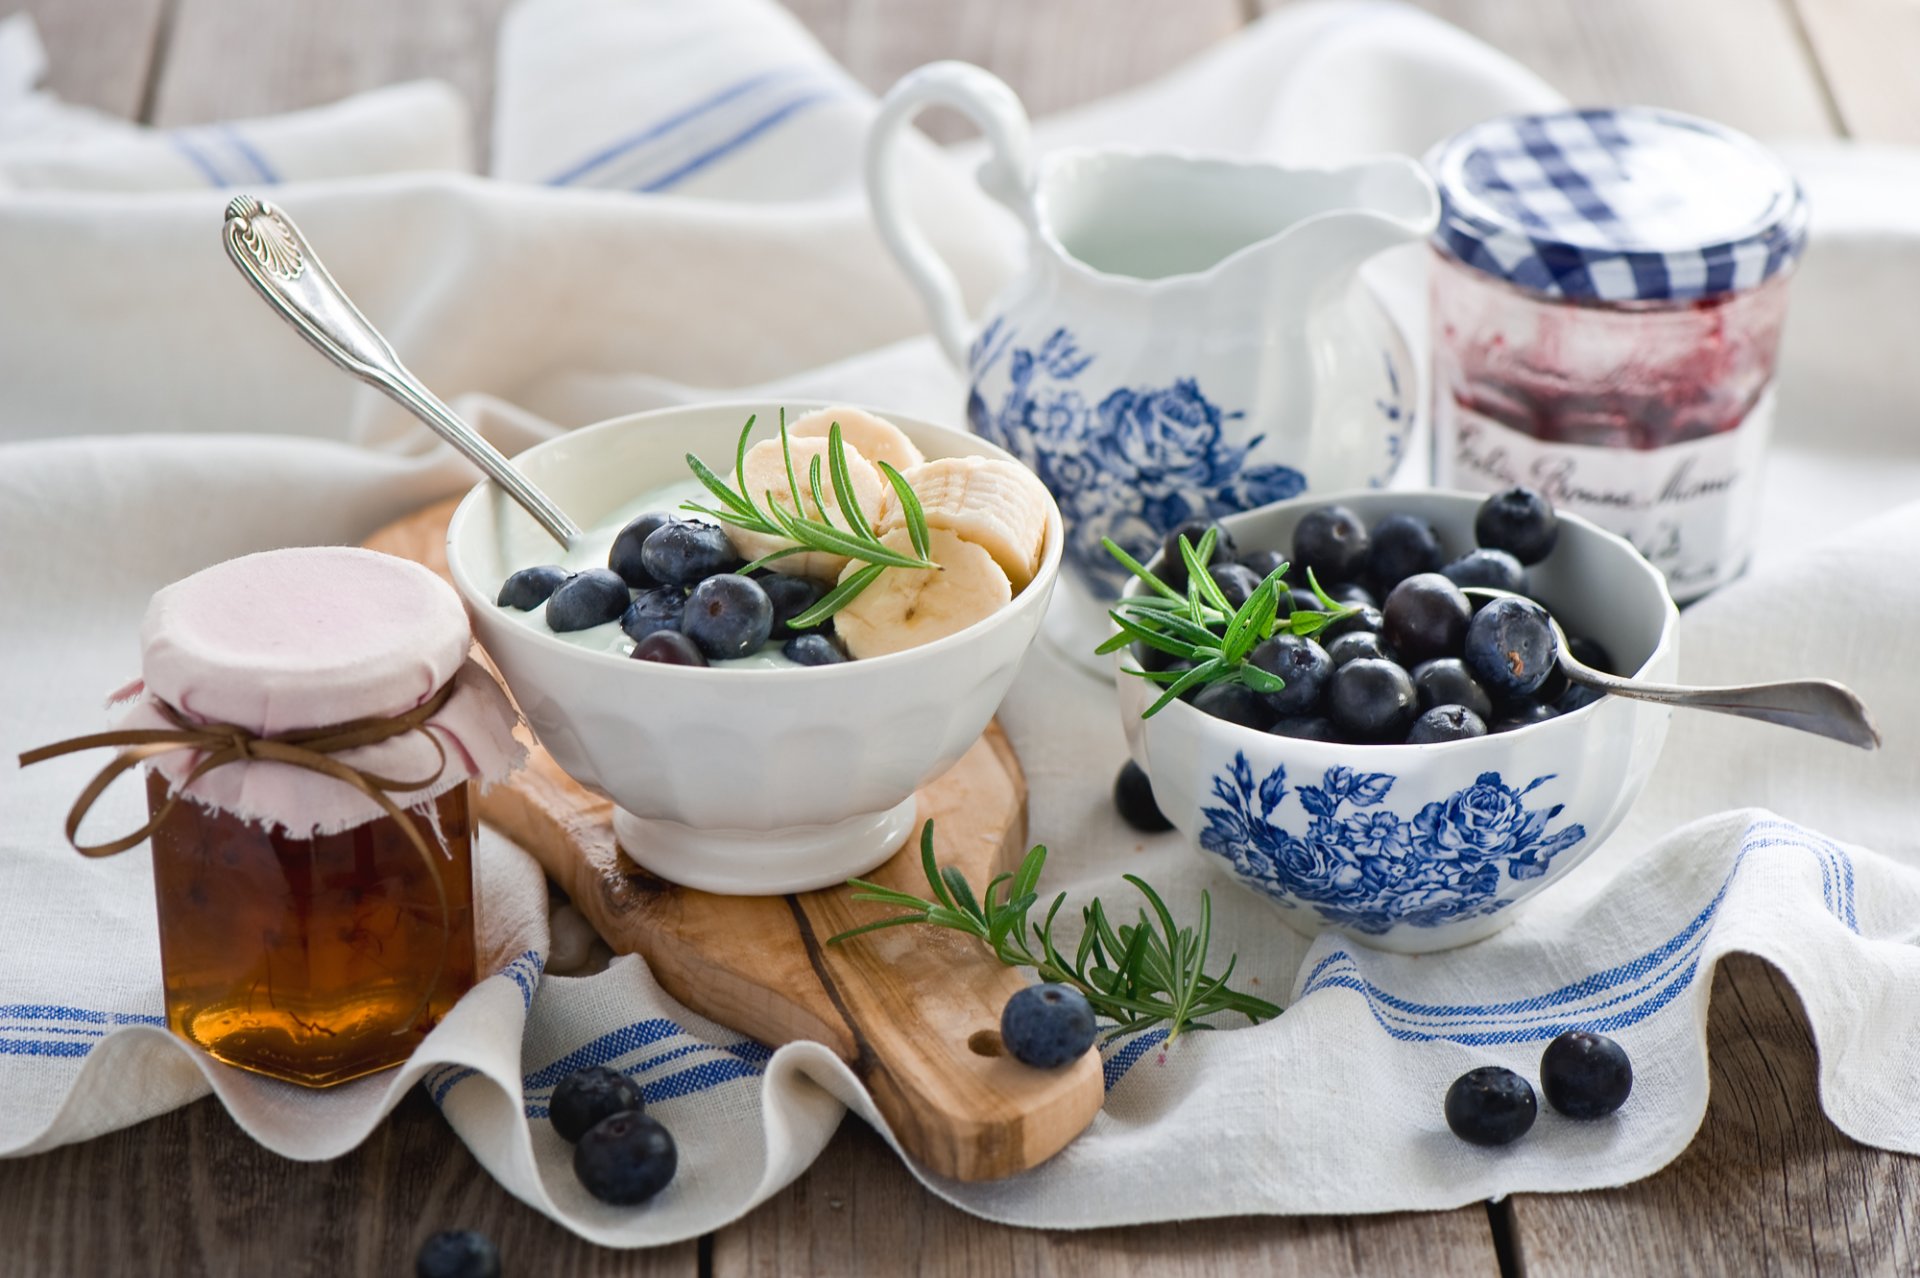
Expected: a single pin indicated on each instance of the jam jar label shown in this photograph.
(1688, 507)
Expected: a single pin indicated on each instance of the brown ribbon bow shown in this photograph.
(224, 743)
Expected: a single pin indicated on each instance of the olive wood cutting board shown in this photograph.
(914, 1011)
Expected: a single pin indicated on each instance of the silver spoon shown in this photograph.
(1820, 706)
(270, 251)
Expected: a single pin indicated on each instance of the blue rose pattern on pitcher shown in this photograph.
(1372, 869)
(1132, 466)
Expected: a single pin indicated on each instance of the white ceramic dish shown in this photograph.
(734, 781)
(1422, 847)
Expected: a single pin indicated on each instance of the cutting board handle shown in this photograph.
(924, 1007)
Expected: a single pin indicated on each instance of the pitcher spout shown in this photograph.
(1365, 209)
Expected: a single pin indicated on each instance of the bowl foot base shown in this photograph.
(764, 862)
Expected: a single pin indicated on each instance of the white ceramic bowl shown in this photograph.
(735, 780)
(1422, 847)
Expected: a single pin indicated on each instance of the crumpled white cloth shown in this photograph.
(675, 211)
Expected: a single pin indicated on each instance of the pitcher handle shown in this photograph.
(995, 109)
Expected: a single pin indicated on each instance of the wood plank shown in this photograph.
(1055, 53)
(1737, 61)
(1769, 1186)
(99, 52)
(188, 1193)
(1869, 55)
(855, 1212)
(233, 58)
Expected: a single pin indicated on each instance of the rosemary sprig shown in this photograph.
(1151, 972)
(810, 533)
(1203, 628)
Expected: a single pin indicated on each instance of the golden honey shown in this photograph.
(317, 959)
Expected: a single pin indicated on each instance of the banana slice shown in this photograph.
(874, 438)
(999, 506)
(906, 607)
(766, 472)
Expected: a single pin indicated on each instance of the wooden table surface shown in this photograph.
(1768, 1185)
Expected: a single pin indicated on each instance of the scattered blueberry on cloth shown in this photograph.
(234, 437)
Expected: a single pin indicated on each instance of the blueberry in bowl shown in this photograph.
(1440, 775)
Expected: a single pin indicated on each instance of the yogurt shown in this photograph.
(591, 552)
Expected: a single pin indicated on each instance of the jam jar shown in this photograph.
(312, 845)
(1607, 299)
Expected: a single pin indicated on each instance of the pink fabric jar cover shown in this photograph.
(309, 637)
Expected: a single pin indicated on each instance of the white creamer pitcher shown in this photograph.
(1189, 337)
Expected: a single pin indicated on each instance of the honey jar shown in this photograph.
(312, 725)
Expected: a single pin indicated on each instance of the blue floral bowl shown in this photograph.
(1422, 847)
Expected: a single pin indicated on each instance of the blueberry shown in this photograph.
(1236, 582)
(1585, 1075)
(531, 587)
(625, 558)
(1372, 698)
(812, 649)
(1332, 542)
(1554, 686)
(1133, 796)
(1150, 658)
(1402, 545)
(1510, 647)
(685, 553)
(457, 1253)
(1234, 702)
(1306, 728)
(728, 616)
(1491, 1106)
(1047, 1026)
(1445, 681)
(1492, 568)
(1359, 645)
(1305, 666)
(1522, 714)
(1577, 696)
(625, 1159)
(587, 599)
(588, 1095)
(1519, 521)
(1303, 601)
(1425, 616)
(1446, 723)
(1352, 592)
(657, 609)
(1590, 653)
(669, 648)
(1264, 563)
(1172, 566)
(791, 596)
(1368, 618)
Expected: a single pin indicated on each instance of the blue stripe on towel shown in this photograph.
(723, 149)
(42, 1047)
(78, 1015)
(199, 159)
(1648, 979)
(1114, 1067)
(249, 153)
(668, 124)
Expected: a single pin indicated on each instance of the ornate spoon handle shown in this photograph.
(270, 251)
(1819, 706)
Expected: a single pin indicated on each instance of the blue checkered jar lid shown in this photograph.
(1629, 204)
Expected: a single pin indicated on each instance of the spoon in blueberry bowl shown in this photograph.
(1527, 636)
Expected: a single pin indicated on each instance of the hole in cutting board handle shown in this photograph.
(984, 1042)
